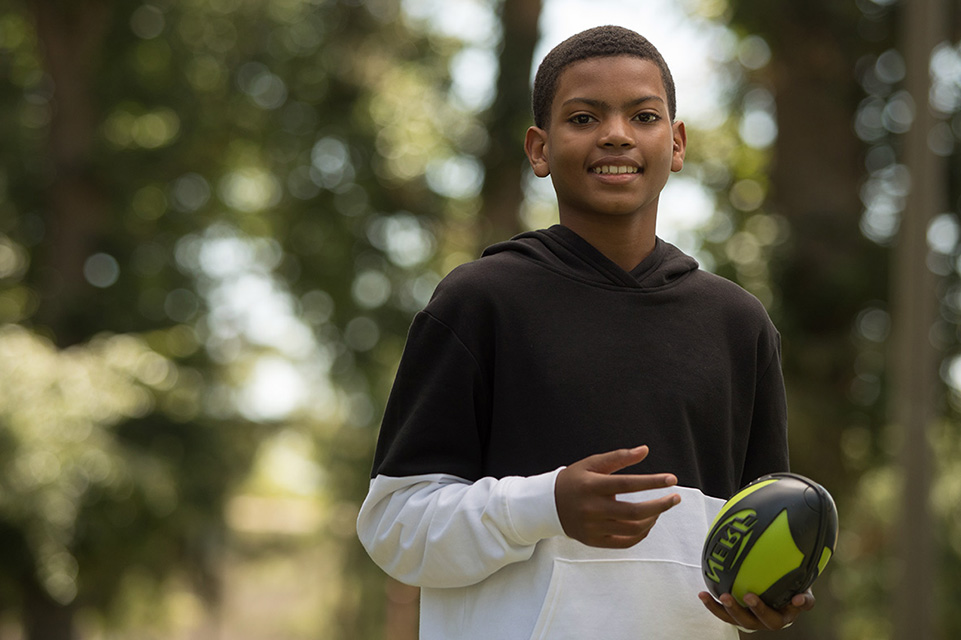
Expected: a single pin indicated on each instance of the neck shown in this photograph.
(625, 240)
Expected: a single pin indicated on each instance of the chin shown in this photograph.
(622, 211)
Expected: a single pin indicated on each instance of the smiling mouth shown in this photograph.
(612, 169)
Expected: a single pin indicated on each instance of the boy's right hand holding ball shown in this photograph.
(586, 497)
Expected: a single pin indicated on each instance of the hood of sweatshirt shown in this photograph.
(563, 250)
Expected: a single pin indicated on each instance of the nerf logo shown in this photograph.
(730, 539)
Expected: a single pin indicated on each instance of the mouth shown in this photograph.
(609, 169)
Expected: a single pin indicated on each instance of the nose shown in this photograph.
(616, 132)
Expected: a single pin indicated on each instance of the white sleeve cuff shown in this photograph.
(531, 508)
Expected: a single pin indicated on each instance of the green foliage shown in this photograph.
(59, 411)
(168, 172)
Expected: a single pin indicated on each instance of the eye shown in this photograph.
(581, 118)
(647, 117)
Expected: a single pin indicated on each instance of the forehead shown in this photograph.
(606, 78)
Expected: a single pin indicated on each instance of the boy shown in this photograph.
(533, 374)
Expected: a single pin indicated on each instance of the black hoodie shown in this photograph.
(544, 352)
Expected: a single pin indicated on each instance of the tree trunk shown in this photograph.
(71, 36)
(828, 271)
(508, 119)
(914, 374)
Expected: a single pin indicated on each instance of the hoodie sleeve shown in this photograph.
(431, 518)
(441, 531)
(438, 413)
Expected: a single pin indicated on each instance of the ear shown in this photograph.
(535, 146)
(680, 146)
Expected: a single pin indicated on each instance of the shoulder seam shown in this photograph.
(451, 331)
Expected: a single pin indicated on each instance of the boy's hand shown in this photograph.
(757, 615)
(587, 504)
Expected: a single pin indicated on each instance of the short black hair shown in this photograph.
(599, 42)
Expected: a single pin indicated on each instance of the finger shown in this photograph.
(804, 601)
(618, 542)
(715, 607)
(784, 617)
(614, 485)
(624, 541)
(623, 510)
(778, 619)
(625, 528)
(742, 616)
(771, 618)
(611, 461)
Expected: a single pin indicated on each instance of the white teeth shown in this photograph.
(609, 169)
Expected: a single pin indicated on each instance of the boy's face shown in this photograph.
(610, 146)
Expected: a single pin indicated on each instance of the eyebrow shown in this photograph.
(601, 104)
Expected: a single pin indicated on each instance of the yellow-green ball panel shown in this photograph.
(774, 555)
(743, 493)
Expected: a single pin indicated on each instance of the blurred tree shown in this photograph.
(505, 163)
(914, 302)
(176, 177)
(71, 37)
(827, 271)
(836, 184)
(798, 61)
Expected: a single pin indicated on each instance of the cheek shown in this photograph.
(666, 159)
(564, 168)
(562, 185)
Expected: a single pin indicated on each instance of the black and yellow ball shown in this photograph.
(773, 538)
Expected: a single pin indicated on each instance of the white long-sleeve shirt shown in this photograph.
(493, 562)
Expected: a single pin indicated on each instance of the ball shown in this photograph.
(773, 538)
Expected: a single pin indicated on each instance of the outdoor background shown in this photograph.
(217, 218)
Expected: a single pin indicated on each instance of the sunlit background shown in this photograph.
(217, 218)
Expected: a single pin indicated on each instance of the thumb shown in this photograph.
(611, 461)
